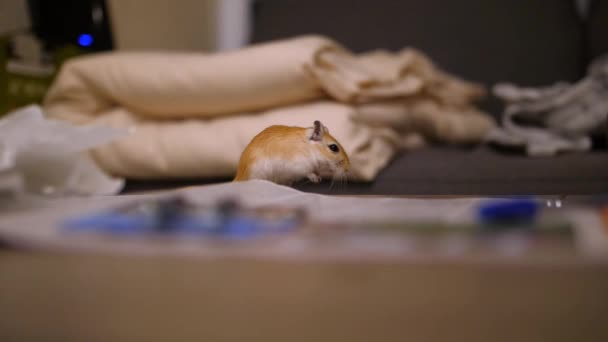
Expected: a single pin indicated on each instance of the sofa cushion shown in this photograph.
(483, 171)
(597, 29)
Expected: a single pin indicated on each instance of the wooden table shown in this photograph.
(72, 297)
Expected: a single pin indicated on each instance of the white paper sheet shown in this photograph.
(36, 223)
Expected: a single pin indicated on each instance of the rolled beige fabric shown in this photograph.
(211, 148)
(435, 121)
(184, 85)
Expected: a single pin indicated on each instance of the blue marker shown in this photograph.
(508, 211)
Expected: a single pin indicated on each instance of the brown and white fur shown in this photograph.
(285, 154)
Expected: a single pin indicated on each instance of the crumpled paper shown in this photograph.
(45, 156)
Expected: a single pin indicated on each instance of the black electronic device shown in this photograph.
(84, 23)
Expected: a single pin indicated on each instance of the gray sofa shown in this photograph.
(527, 42)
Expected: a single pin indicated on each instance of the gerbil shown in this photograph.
(284, 154)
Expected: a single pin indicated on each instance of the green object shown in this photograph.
(26, 86)
(3, 75)
(22, 84)
(66, 52)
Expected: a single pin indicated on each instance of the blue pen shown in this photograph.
(508, 211)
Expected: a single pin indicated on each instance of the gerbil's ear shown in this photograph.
(318, 131)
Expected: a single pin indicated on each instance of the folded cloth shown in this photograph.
(182, 108)
(184, 85)
(211, 148)
(394, 70)
(432, 121)
(557, 118)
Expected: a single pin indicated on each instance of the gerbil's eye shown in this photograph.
(334, 148)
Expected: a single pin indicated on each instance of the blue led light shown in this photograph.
(85, 40)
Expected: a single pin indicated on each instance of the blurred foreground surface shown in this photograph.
(50, 297)
(326, 281)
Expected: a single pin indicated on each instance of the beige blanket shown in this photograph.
(192, 114)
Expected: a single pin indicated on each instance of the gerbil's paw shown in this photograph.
(313, 177)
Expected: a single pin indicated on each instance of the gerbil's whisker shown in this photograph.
(339, 177)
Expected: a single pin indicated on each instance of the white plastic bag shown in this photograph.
(40, 155)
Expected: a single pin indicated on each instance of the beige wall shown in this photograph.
(13, 15)
(164, 24)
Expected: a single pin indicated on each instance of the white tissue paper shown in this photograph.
(45, 156)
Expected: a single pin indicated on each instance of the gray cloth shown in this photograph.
(558, 118)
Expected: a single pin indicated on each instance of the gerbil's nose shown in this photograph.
(344, 164)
